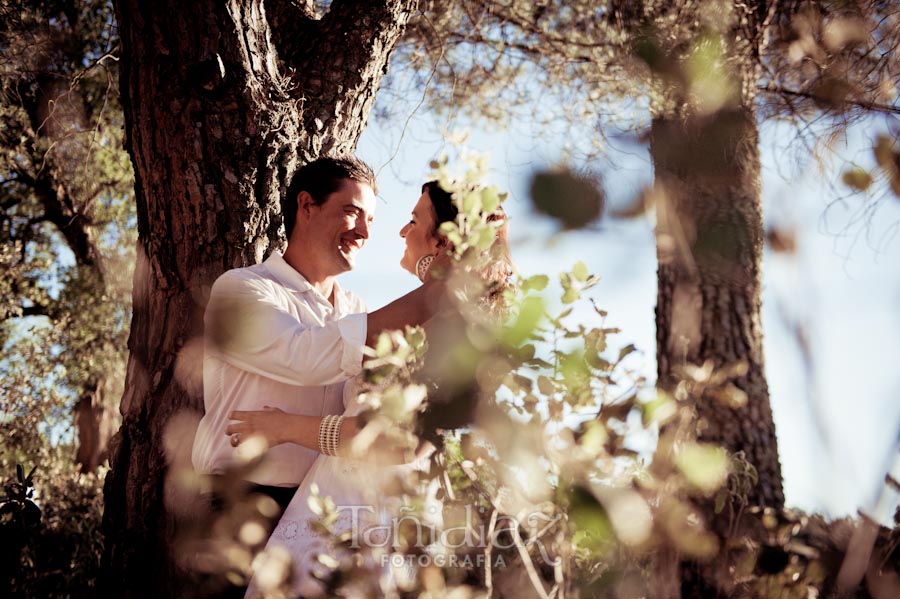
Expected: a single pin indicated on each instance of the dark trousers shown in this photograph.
(281, 495)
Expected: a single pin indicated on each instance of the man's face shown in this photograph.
(339, 227)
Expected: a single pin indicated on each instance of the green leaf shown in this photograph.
(884, 151)
(531, 311)
(485, 238)
(721, 498)
(628, 349)
(570, 296)
(470, 203)
(383, 345)
(489, 199)
(526, 352)
(595, 437)
(539, 363)
(545, 385)
(589, 522)
(536, 283)
(705, 466)
(580, 271)
(595, 339)
(660, 409)
(574, 371)
(857, 178)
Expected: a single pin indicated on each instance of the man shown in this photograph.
(284, 334)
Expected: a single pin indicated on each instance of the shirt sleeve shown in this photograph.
(249, 327)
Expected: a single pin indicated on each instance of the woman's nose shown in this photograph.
(404, 229)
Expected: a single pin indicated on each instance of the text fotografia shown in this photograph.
(397, 560)
(408, 530)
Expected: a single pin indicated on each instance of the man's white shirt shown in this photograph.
(273, 340)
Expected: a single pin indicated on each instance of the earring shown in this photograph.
(422, 266)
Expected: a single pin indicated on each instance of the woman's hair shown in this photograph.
(499, 269)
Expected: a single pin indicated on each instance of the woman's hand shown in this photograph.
(270, 423)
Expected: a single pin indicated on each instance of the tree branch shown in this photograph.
(72, 224)
(864, 104)
(350, 50)
(291, 22)
(37, 310)
(362, 25)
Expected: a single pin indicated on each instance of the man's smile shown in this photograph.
(350, 246)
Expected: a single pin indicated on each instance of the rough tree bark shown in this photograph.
(709, 245)
(708, 300)
(223, 101)
(710, 242)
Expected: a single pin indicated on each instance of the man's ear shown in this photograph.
(305, 203)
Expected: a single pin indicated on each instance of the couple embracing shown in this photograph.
(284, 345)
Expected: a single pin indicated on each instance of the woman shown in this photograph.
(346, 480)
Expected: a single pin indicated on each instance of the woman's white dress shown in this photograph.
(348, 483)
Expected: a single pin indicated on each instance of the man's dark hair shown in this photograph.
(321, 178)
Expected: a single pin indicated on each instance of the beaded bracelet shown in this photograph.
(330, 434)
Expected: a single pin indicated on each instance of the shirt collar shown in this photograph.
(295, 281)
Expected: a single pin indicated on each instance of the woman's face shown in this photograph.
(419, 234)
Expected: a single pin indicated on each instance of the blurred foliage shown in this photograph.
(609, 67)
(569, 474)
(539, 425)
(584, 200)
(66, 230)
(67, 242)
(50, 530)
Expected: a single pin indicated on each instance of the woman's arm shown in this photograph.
(278, 426)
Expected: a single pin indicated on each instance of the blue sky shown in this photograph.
(838, 422)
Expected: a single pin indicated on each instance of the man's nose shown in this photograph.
(362, 228)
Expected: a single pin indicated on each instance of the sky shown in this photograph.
(838, 420)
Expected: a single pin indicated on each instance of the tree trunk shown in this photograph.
(217, 119)
(710, 243)
(709, 246)
(95, 426)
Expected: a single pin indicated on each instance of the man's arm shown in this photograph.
(249, 326)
